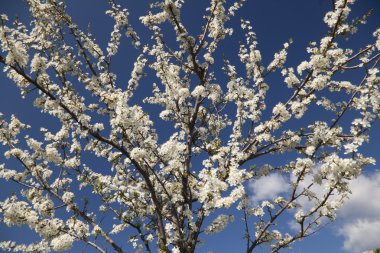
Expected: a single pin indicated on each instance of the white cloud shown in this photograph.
(365, 198)
(361, 235)
(360, 215)
(268, 187)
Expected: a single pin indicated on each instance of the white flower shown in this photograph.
(62, 242)
(279, 59)
(38, 63)
(282, 112)
(258, 211)
(219, 224)
(17, 54)
(67, 197)
(78, 228)
(299, 215)
(138, 154)
(276, 234)
(310, 150)
(52, 154)
(303, 66)
(209, 58)
(150, 237)
(198, 91)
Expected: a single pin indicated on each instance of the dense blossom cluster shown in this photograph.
(164, 193)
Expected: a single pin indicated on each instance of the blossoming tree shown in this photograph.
(152, 192)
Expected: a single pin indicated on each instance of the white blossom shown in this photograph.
(62, 242)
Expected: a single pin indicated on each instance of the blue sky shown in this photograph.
(274, 21)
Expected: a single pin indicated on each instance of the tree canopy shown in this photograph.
(154, 162)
